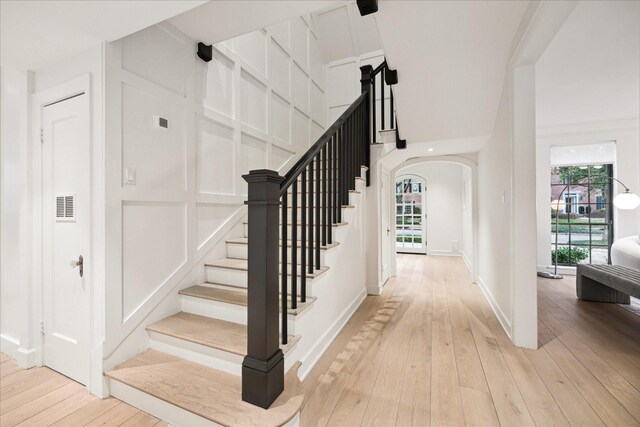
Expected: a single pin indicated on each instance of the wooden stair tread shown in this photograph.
(242, 264)
(220, 334)
(207, 392)
(245, 241)
(236, 296)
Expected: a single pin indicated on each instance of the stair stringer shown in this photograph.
(339, 292)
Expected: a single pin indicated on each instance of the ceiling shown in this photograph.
(451, 59)
(590, 72)
(36, 33)
(221, 20)
(344, 33)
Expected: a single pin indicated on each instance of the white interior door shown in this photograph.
(66, 237)
(410, 215)
(386, 225)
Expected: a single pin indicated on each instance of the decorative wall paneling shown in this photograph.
(258, 104)
(343, 86)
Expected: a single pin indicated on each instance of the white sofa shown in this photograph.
(626, 252)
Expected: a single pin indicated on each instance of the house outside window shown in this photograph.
(585, 217)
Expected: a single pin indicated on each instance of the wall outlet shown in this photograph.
(130, 176)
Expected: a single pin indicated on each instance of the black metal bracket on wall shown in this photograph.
(367, 7)
(205, 52)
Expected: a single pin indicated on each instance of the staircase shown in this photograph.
(191, 373)
(240, 334)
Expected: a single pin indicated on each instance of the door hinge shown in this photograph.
(41, 135)
(41, 328)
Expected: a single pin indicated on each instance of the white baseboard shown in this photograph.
(569, 271)
(466, 260)
(440, 252)
(374, 289)
(504, 321)
(311, 358)
(24, 357)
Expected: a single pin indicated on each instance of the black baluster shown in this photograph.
(382, 98)
(294, 252)
(325, 177)
(311, 218)
(317, 213)
(336, 206)
(373, 107)
(303, 238)
(329, 196)
(283, 267)
(391, 107)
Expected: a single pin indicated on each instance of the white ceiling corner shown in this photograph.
(36, 33)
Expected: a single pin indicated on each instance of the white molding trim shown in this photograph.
(504, 320)
(466, 260)
(312, 357)
(443, 252)
(25, 358)
(562, 269)
(375, 289)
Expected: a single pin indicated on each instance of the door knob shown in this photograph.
(78, 263)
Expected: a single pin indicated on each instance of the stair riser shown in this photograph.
(211, 357)
(159, 408)
(225, 311)
(230, 277)
(240, 251)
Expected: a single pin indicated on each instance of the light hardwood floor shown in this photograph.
(42, 397)
(430, 351)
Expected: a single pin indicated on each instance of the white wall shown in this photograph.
(494, 215)
(467, 216)
(443, 205)
(258, 104)
(587, 90)
(343, 86)
(15, 215)
(21, 286)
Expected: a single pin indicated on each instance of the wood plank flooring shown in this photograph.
(42, 397)
(429, 351)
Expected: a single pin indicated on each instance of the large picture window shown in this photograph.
(585, 213)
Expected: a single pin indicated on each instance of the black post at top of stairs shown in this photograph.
(367, 77)
(263, 366)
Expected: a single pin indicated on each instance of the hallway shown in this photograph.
(430, 351)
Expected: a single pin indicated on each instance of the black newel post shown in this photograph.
(366, 81)
(263, 366)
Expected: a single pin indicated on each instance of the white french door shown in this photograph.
(66, 237)
(410, 235)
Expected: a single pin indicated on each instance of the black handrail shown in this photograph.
(304, 161)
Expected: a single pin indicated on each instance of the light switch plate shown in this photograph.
(130, 176)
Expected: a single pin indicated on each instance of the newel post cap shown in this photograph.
(263, 175)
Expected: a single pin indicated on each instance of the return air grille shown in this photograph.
(65, 207)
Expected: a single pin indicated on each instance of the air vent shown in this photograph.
(65, 207)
